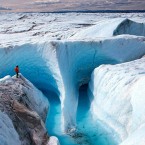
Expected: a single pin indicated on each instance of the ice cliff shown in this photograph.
(23, 113)
(117, 95)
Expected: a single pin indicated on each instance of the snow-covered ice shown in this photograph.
(53, 141)
(120, 88)
(22, 28)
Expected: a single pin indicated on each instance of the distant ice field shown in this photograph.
(21, 28)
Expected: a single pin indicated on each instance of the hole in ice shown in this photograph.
(88, 132)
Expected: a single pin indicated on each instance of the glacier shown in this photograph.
(58, 54)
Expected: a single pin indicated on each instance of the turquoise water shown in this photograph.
(89, 131)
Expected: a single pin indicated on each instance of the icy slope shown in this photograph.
(111, 27)
(120, 88)
(62, 66)
(8, 134)
(26, 108)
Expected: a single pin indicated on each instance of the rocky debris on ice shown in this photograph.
(35, 98)
(120, 88)
(20, 100)
(32, 122)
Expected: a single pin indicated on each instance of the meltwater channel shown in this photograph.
(88, 132)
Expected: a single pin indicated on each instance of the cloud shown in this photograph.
(70, 5)
(46, 1)
(3, 8)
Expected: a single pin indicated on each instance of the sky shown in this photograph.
(69, 5)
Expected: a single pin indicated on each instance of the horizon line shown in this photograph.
(81, 11)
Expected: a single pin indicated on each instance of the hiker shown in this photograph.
(17, 71)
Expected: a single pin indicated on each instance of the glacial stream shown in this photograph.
(89, 131)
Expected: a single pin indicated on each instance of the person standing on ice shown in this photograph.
(17, 71)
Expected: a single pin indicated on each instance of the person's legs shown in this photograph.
(17, 75)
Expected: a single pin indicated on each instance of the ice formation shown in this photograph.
(112, 27)
(63, 66)
(8, 134)
(53, 141)
(120, 88)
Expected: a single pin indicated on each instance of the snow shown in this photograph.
(53, 141)
(5, 79)
(120, 89)
(136, 137)
(8, 134)
(22, 28)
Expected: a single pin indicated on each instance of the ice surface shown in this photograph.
(53, 141)
(120, 88)
(31, 41)
(22, 28)
(8, 134)
(5, 79)
(112, 27)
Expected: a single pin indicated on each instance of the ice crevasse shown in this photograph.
(62, 66)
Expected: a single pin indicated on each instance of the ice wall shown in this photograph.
(37, 62)
(117, 94)
(63, 66)
(76, 66)
(130, 27)
(111, 27)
